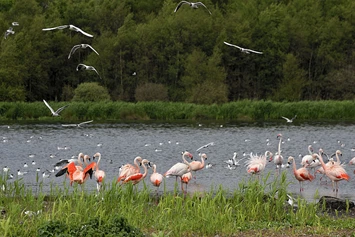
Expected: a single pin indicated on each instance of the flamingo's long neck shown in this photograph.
(97, 164)
(154, 168)
(337, 156)
(185, 161)
(310, 150)
(203, 161)
(145, 170)
(294, 165)
(279, 151)
(79, 160)
(322, 162)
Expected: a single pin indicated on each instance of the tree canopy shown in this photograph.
(308, 49)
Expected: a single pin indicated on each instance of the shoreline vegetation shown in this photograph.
(259, 207)
(239, 111)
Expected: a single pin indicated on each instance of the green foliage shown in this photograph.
(91, 91)
(305, 45)
(151, 92)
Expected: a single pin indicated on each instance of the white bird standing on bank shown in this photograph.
(85, 67)
(243, 50)
(54, 113)
(192, 5)
(71, 27)
(81, 46)
(289, 120)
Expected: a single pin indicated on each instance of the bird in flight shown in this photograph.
(54, 113)
(289, 120)
(85, 67)
(192, 5)
(71, 27)
(81, 46)
(9, 31)
(77, 125)
(244, 50)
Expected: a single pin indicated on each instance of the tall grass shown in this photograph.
(129, 211)
(244, 110)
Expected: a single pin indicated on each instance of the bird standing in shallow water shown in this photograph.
(301, 174)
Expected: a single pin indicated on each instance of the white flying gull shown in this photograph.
(77, 125)
(289, 120)
(248, 51)
(9, 31)
(54, 113)
(15, 23)
(192, 5)
(71, 27)
(205, 146)
(81, 46)
(85, 67)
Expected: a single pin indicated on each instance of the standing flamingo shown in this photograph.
(180, 169)
(185, 179)
(335, 172)
(255, 164)
(136, 178)
(99, 174)
(301, 174)
(198, 165)
(129, 169)
(156, 178)
(278, 157)
(307, 159)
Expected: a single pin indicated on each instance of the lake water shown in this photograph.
(162, 144)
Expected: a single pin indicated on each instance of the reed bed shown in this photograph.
(244, 110)
(258, 205)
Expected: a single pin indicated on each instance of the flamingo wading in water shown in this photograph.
(99, 174)
(335, 172)
(128, 169)
(179, 169)
(156, 178)
(301, 174)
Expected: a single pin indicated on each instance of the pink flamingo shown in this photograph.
(185, 179)
(335, 172)
(156, 178)
(307, 159)
(180, 169)
(352, 162)
(129, 169)
(255, 164)
(301, 174)
(137, 177)
(99, 174)
(198, 165)
(278, 157)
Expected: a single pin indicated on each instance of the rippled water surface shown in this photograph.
(162, 144)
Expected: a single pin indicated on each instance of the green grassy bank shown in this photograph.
(243, 110)
(255, 208)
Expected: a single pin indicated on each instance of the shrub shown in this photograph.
(90, 91)
(151, 92)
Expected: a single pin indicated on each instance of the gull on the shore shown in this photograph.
(8, 32)
(81, 46)
(244, 50)
(71, 27)
(54, 113)
(289, 120)
(192, 5)
(85, 67)
(77, 125)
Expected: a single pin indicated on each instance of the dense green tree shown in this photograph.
(308, 49)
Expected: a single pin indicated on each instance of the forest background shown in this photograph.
(149, 53)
